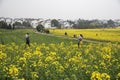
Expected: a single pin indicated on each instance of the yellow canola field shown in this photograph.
(60, 62)
(110, 35)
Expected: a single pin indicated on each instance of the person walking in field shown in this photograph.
(80, 38)
(27, 39)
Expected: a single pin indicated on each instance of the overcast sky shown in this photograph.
(61, 9)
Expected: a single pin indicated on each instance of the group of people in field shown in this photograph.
(80, 38)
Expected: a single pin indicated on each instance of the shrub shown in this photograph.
(47, 31)
(40, 28)
(65, 33)
(74, 36)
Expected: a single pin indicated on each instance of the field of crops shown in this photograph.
(54, 58)
(18, 37)
(109, 35)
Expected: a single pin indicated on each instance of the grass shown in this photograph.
(18, 37)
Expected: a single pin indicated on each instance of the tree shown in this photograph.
(9, 26)
(26, 24)
(82, 24)
(95, 24)
(40, 28)
(111, 23)
(71, 23)
(3, 24)
(13, 26)
(17, 24)
(55, 23)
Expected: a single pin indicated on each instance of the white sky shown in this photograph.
(61, 9)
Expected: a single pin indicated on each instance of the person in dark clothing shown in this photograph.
(27, 39)
(80, 39)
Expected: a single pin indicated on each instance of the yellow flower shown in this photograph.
(83, 65)
(49, 58)
(47, 72)
(5, 68)
(39, 63)
(105, 76)
(61, 68)
(21, 79)
(47, 48)
(22, 59)
(118, 74)
(33, 65)
(96, 76)
(53, 53)
(34, 74)
(87, 72)
(66, 65)
(13, 71)
(66, 79)
(74, 60)
(10, 48)
(16, 47)
(55, 63)
(74, 77)
(37, 53)
(86, 51)
(2, 55)
(102, 64)
(95, 66)
(27, 54)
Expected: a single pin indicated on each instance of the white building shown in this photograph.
(47, 23)
(2, 19)
(34, 23)
(67, 25)
(8, 21)
(18, 20)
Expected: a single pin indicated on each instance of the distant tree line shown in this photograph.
(55, 23)
(4, 25)
(85, 24)
(78, 24)
(93, 24)
(24, 24)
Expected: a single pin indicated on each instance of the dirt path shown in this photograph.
(85, 40)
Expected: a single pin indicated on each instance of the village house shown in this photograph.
(34, 23)
(47, 23)
(8, 21)
(66, 24)
(2, 19)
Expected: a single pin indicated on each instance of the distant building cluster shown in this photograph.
(80, 23)
(35, 22)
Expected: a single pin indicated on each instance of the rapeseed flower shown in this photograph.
(105, 76)
(13, 71)
(118, 76)
(2, 55)
(34, 75)
(96, 76)
(52, 53)
(22, 59)
(48, 59)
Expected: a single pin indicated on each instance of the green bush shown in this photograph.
(47, 31)
(40, 28)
